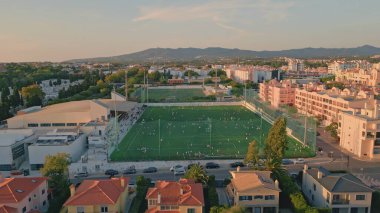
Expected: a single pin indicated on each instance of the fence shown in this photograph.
(301, 127)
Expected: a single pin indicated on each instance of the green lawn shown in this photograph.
(172, 95)
(172, 133)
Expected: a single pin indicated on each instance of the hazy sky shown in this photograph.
(55, 30)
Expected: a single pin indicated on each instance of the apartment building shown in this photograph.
(256, 74)
(24, 194)
(340, 192)
(369, 77)
(278, 93)
(254, 190)
(337, 66)
(184, 196)
(359, 131)
(105, 195)
(296, 65)
(313, 100)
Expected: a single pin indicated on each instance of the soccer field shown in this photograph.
(174, 133)
(172, 95)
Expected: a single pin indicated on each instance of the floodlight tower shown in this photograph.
(126, 85)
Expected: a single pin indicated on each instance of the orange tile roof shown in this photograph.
(14, 190)
(97, 192)
(7, 209)
(184, 192)
(248, 180)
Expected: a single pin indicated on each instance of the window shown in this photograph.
(58, 124)
(152, 202)
(314, 187)
(80, 209)
(258, 197)
(43, 191)
(360, 197)
(45, 124)
(190, 210)
(24, 209)
(71, 124)
(33, 125)
(44, 203)
(245, 197)
(328, 198)
(269, 197)
(104, 209)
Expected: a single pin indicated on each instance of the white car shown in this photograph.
(179, 171)
(173, 168)
(299, 161)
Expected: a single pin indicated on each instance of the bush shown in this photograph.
(139, 203)
(299, 202)
(212, 194)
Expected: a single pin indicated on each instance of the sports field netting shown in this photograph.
(303, 128)
(156, 95)
(173, 133)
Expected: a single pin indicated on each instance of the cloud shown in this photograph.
(223, 13)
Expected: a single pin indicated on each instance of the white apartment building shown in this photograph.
(340, 192)
(359, 131)
(256, 74)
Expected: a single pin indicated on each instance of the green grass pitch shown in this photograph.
(172, 95)
(186, 133)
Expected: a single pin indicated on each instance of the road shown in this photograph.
(332, 158)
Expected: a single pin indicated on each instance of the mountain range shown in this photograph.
(189, 54)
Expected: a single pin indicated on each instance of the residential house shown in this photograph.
(341, 192)
(254, 190)
(108, 195)
(184, 196)
(23, 194)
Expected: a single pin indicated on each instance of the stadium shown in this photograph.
(190, 132)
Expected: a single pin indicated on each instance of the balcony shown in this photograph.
(340, 202)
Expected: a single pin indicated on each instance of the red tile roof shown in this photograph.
(182, 193)
(7, 209)
(97, 192)
(14, 190)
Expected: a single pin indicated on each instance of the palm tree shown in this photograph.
(197, 173)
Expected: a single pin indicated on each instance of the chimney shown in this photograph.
(181, 191)
(159, 197)
(320, 174)
(72, 190)
(1, 178)
(122, 181)
(238, 169)
(305, 168)
(276, 184)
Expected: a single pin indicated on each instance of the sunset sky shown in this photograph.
(49, 30)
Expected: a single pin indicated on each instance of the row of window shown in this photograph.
(167, 207)
(257, 197)
(54, 124)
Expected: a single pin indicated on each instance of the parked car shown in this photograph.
(111, 172)
(192, 164)
(179, 171)
(150, 170)
(299, 161)
(212, 165)
(236, 164)
(173, 168)
(81, 174)
(286, 161)
(130, 170)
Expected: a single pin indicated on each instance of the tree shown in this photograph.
(197, 173)
(33, 95)
(252, 157)
(56, 170)
(333, 129)
(277, 141)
